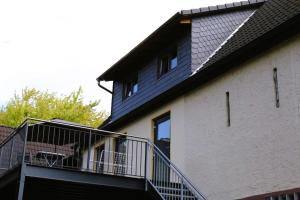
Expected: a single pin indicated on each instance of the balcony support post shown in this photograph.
(21, 183)
(23, 165)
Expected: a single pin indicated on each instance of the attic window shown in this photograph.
(167, 62)
(130, 87)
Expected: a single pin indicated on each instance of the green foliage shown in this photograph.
(45, 105)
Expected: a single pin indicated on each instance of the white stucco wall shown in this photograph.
(143, 127)
(260, 151)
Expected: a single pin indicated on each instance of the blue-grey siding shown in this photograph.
(209, 32)
(149, 85)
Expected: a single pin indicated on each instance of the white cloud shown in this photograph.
(61, 44)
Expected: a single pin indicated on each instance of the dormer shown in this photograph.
(170, 55)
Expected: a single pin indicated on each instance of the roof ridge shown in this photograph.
(221, 7)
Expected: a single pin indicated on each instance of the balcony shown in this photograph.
(68, 161)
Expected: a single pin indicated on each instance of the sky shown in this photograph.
(60, 45)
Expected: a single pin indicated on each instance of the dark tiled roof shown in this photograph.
(209, 9)
(5, 131)
(209, 32)
(267, 18)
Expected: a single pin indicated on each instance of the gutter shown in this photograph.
(104, 88)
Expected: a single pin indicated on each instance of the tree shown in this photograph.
(45, 105)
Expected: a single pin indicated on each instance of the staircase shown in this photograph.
(167, 180)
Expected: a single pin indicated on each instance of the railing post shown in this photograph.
(11, 151)
(22, 174)
(25, 143)
(89, 150)
(181, 190)
(146, 166)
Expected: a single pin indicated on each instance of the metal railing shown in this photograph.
(68, 146)
(168, 180)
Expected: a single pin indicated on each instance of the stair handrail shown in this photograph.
(178, 171)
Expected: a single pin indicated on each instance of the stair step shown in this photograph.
(176, 191)
(166, 183)
(173, 189)
(162, 186)
(169, 196)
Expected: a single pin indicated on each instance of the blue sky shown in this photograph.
(59, 45)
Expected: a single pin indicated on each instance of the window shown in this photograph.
(293, 194)
(277, 104)
(130, 87)
(167, 62)
(120, 144)
(288, 196)
(162, 139)
(99, 159)
(120, 155)
(173, 60)
(228, 108)
(162, 133)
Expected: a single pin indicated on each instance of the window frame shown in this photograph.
(119, 143)
(160, 119)
(96, 148)
(166, 59)
(129, 87)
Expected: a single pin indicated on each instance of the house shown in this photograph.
(206, 108)
(5, 131)
(217, 90)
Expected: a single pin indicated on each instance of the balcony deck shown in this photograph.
(47, 160)
(40, 156)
